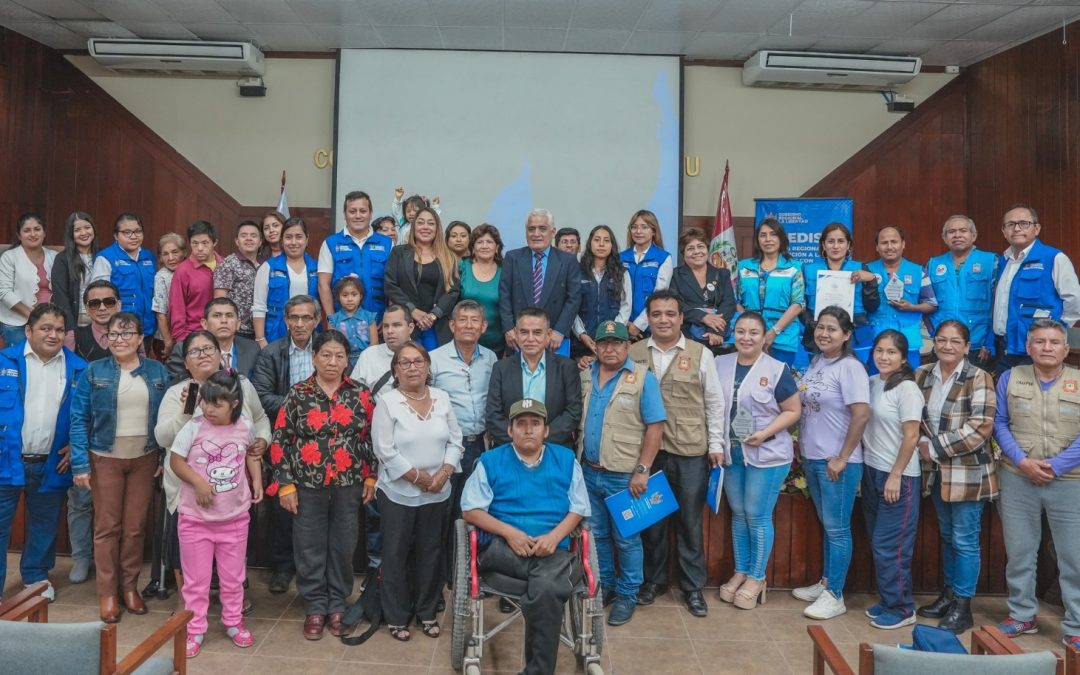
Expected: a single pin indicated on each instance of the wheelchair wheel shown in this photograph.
(577, 610)
(460, 595)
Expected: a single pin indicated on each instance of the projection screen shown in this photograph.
(591, 137)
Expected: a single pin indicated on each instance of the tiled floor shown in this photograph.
(662, 638)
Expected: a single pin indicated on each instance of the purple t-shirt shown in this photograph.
(827, 389)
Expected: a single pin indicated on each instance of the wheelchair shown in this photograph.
(583, 616)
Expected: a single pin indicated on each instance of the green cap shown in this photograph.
(612, 330)
(528, 406)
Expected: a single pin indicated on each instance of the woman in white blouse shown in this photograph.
(418, 443)
(25, 277)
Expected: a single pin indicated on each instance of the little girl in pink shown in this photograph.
(209, 456)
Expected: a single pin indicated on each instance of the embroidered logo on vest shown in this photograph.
(907, 278)
(939, 270)
(1069, 387)
(976, 268)
(684, 363)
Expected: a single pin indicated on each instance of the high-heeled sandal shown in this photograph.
(747, 600)
(400, 633)
(727, 591)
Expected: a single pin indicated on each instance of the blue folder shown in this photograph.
(634, 515)
(716, 488)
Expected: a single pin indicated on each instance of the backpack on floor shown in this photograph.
(369, 607)
(933, 639)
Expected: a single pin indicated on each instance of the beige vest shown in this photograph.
(684, 398)
(624, 430)
(1043, 422)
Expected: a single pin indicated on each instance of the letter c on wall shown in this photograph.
(323, 158)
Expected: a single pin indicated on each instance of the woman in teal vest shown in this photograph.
(279, 279)
(772, 283)
(834, 249)
(648, 264)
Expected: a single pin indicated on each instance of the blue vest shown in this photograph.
(643, 275)
(599, 301)
(1032, 295)
(532, 500)
(368, 264)
(277, 293)
(886, 316)
(12, 415)
(967, 297)
(780, 293)
(810, 271)
(135, 281)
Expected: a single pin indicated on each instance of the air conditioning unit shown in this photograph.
(178, 57)
(829, 71)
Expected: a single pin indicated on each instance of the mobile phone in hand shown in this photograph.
(192, 394)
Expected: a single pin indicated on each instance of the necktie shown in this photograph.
(226, 360)
(538, 277)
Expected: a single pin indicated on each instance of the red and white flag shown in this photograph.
(283, 201)
(722, 251)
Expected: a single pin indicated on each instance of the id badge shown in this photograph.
(743, 424)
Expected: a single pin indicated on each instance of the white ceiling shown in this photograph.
(943, 32)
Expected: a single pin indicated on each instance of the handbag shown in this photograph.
(369, 607)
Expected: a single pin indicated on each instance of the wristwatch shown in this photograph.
(641, 468)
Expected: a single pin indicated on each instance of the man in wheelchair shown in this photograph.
(526, 497)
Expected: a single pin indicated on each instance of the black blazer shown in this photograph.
(247, 352)
(270, 376)
(560, 297)
(562, 398)
(721, 297)
(86, 345)
(65, 289)
(400, 286)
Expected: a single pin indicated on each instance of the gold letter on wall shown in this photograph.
(323, 158)
(695, 168)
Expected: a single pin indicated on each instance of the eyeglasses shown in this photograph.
(409, 365)
(949, 342)
(1021, 225)
(196, 352)
(125, 336)
(130, 233)
(98, 303)
(638, 227)
(300, 318)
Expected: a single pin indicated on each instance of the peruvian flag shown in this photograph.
(283, 201)
(722, 251)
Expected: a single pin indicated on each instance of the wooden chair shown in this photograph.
(26, 594)
(887, 660)
(1072, 660)
(89, 648)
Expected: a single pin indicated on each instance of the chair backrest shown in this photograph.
(895, 661)
(51, 648)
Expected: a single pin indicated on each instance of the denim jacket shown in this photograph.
(93, 409)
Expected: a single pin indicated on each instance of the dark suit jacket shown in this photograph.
(562, 398)
(400, 286)
(247, 352)
(694, 297)
(560, 297)
(86, 345)
(270, 376)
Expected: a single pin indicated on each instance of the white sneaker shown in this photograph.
(49, 593)
(826, 607)
(809, 593)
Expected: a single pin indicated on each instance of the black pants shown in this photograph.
(1005, 361)
(325, 532)
(689, 478)
(550, 586)
(417, 530)
(281, 539)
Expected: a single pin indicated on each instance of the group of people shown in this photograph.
(407, 377)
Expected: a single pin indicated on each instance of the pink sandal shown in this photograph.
(240, 635)
(193, 645)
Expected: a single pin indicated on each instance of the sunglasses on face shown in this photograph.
(98, 303)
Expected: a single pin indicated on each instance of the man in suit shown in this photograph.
(222, 318)
(541, 276)
(538, 374)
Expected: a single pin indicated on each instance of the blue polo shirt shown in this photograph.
(651, 405)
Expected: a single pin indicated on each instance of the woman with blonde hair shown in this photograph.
(422, 277)
(650, 267)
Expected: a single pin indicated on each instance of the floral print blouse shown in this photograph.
(322, 441)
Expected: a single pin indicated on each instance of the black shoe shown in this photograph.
(440, 606)
(505, 606)
(279, 582)
(609, 597)
(622, 610)
(649, 593)
(959, 617)
(939, 607)
(695, 603)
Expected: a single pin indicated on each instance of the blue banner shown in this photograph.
(803, 220)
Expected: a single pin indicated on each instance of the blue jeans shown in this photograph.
(13, 335)
(960, 524)
(42, 522)
(603, 484)
(834, 500)
(80, 518)
(752, 493)
(373, 534)
(892, 529)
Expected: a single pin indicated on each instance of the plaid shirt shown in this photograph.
(965, 465)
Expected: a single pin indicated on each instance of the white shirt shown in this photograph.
(888, 411)
(626, 303)
(45, 385)
(326, 258)
(663, 280)
(938, 393)
(298, 285)
(1065, 281)
(373, 363)
(714, 394)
